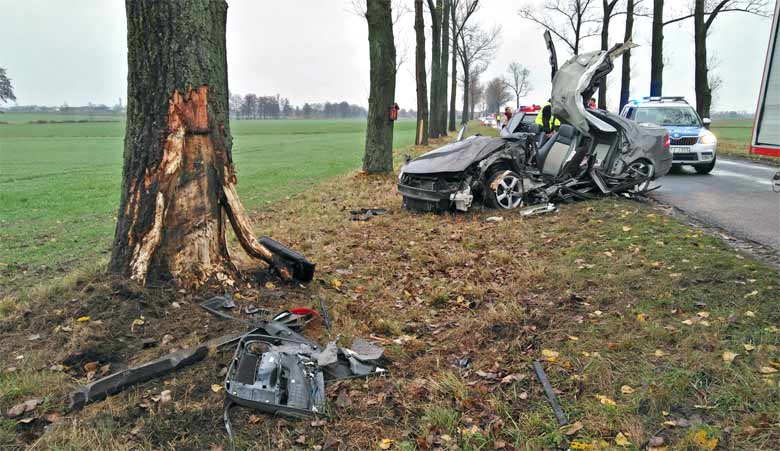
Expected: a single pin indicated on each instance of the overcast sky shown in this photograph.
(314, 50)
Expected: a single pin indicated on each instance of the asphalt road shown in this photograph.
(736, 196)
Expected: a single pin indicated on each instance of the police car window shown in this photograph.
(668, 116)
(529, 118)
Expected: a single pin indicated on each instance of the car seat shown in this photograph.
(554, 153)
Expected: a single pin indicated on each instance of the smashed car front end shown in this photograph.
(434, 192)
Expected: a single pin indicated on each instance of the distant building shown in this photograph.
(766, 128)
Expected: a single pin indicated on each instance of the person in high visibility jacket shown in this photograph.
(546, 120)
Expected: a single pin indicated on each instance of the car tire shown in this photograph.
(676, 169)
(504, 190)
(704, 169)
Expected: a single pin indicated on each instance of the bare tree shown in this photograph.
(519, 81)
(704, 14)
(460, 13)
(609, 12)
(496, 94)
(6, 89)
(476, 48)
(625, 77)
(569, 20)
(436, 11)
(475, 93)
(420, 75)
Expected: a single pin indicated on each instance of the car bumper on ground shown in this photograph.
(693, 155)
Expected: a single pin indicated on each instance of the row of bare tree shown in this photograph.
(572, 21)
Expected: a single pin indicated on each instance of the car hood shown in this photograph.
(578, 79)
(455, 157)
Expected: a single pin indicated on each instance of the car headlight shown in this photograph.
(708, 138)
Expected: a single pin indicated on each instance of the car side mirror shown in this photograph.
(707, 122)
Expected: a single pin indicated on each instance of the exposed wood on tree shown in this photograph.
(420, 75)
(178, 175)
(378, 157)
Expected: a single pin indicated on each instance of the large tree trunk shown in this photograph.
(602, 101)
(454, 89)
(436, 12)
(178, 180)
(657, 51)
(703, 92)
(422, 82)
(467, 108)
(378, 156)
(625, 79)
(444, 68)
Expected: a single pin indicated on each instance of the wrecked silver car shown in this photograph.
(594, 152)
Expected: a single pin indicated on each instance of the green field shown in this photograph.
(733, 136)
(59, 183)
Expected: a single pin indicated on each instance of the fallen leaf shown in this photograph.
(626, 228)
(572, 338)
(660, 353)
(137, 322)
(385, 443)
(704, 314)
(83, 319)
(748, 347)
(767, 370)
(270, 285)
(605, 400)
(216, 388)
(573, 428)
(626, 390)
(336, 284)
(254, 419)
(622, 440)
(550, 355)
(34, 337)
(750, 314)
(509, 378)
(704, 442)
(90, 366)
(165, 396)
(688, 322)
(641, 317)
(22, 408)
(499, 444)
(751, 294)
(729, 356)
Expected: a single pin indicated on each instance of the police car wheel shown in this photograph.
(705, 168)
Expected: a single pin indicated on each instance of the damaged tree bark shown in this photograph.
(178, 180)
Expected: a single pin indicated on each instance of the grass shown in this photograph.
(632, 313)
(734, 138)
(59, 183)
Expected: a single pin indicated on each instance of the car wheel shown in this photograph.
(504, 190)
(705, 168)
(641, 170)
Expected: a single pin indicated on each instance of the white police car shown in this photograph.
(691, 142)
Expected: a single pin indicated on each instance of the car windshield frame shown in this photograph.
(663, 118)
